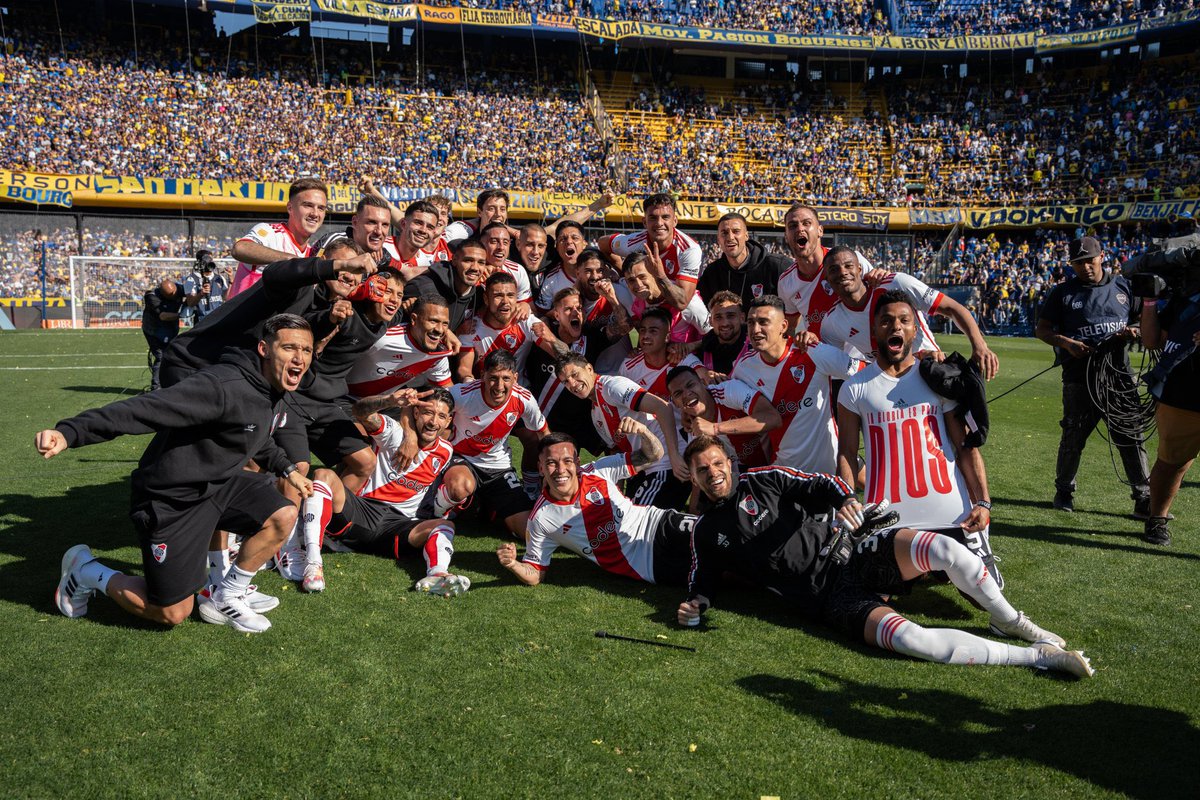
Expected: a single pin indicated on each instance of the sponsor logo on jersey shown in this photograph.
(159, 551)
(797, 374)
(251, 428)
(749, 505)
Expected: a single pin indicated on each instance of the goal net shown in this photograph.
(107, 292)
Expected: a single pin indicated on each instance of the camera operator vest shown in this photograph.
(1090, 313)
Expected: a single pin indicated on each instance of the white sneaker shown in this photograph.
(71, 596)
(314, 578)
(234, 612)
(1023, 628)
(260, 602)
(447, 584)
(1051, 656)
(291, 559)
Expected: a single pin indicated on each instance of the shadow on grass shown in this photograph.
(1048, 505)
(1128, 542)
(1136, 750)
(129, 390)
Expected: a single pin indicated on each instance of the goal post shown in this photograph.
(107, 291)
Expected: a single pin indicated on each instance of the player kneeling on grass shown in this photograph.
(384, 518)
(771, 525)
(582, 509)
(191, 481)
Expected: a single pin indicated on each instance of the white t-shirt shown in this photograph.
(481, 432)
(850, 329)
(274, 235)
(524, 293)
(457, 231)
(798, 385)
(403, 489)
(394, 362)
(683, 260)
(599, 523)
(910, 459)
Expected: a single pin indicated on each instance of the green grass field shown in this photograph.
(370, 690)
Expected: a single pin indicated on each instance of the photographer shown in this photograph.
(160, 322)
(1176, 330)
(205, 288)
(1083, 318)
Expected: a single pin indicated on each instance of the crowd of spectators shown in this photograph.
(974, 17)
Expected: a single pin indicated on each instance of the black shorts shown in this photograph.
(366, 525)
(673, 548)
(856, 589)
(174, 536)
(318, 427)
(498, 494)
(660, 489)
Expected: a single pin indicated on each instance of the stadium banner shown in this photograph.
(437, 15)
(384, 12)
(272, 13)
(41, 190)
(493, 18)
(1174, 18)
(1086, 215)
(1080, 40)
(936, 217)
(1011, 41)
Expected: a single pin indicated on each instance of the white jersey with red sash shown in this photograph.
(850, 329)
(798, 386)
(394, 362)
(409, 267)
(811, 298)
(654, 379)
(910, 458)
(682, 261)
(516, 338)
(481, 432)
(735, 400)
(617, 397)
(599, 523)
(275, 235)
(404, 489)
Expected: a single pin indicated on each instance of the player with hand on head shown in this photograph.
(730, 410)
(771, 526)
(915, 458)
(191, 481)
(582, 509)
(687, 325)
(266, 243)
(388, 516)
(500, 327)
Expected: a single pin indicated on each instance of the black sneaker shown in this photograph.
(1063, 501)
(1157, 532)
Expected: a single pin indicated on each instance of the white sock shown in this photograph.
(236, 581)
(218, 565)
(317, 510)
(531, 482)
(95, 575)
(947, 645)
(932, 551)
(442, 504)
(438, 549)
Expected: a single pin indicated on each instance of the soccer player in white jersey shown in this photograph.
(388, 515)
(497, 243)
(914, 460)
(648, 367)
(485, 413)
(678, 256)
(492, 206)
(408, 355)
(730, 410)
(849, 324)
(269, 242)
(500, 328)
(414, 234)
(582, 509)
(687, 325)
(807, 296)
(613, 397)
(569, 243)
(797, 382)
(436, 249)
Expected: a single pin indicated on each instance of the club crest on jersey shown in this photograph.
(798, 374)
(749, 505)
(1122, 299)
(436, 463)
(511, 418)
(159, 551)
(595, 497)
(510, 339)
(826, 287)
(756, 290)
(279, 421)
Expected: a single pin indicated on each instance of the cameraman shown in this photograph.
(160, 322)
(1175, 329)
(1082, 316)
(205, 288)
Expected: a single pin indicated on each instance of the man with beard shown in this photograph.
(499, 327)
(497, 241)
(412, 355)
(457, 282)
(604, 305)
(744, 268)
(531, 252)
(268, 242)
(687, 325)
(807, 296)
(771, 527)
(677, 264)
(730, 410)
(914, 456)
(370, 228)
(191, 481)
(719, 348)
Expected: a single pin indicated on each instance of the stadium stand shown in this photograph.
(967, 17)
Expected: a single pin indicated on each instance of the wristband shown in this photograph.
(289, 470)
(984, 504)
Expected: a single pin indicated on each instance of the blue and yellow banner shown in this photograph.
(272, 13)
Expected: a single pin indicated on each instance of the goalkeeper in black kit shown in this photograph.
(806, 538)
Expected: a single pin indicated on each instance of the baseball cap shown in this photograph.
(1084, 248)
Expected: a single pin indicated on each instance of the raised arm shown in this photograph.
(584, 214)
(981, 354)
